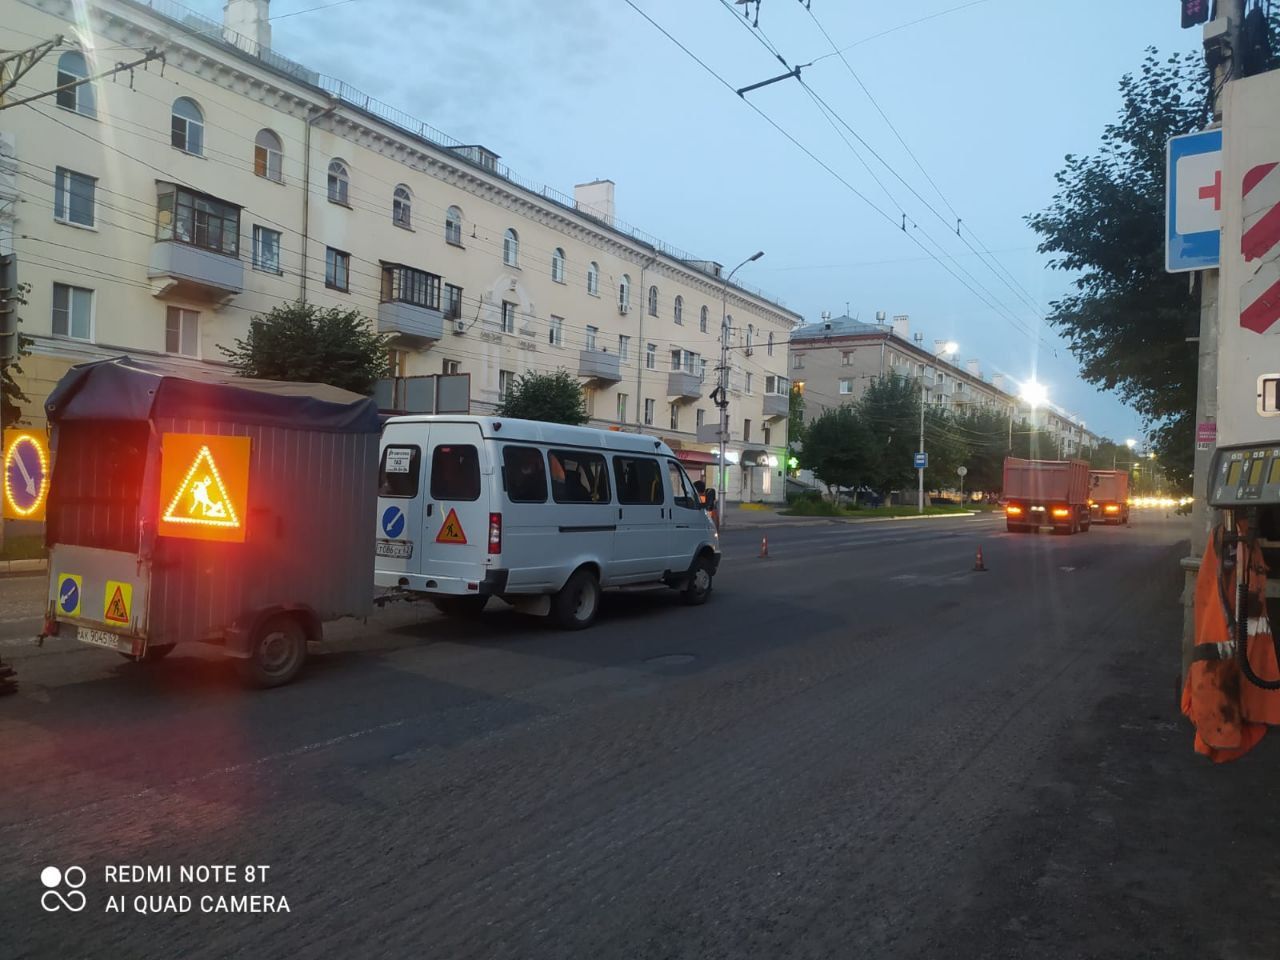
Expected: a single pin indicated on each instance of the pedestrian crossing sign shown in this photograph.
(204, 481)
(451, 530)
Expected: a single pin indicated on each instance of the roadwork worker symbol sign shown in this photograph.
(204, 482)
(451, 530)
(117, 601)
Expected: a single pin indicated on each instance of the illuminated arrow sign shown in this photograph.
(26, 475)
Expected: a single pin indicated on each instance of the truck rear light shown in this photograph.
(1013, 510)
(1112, 508)
(495, 533)
(1061, 512)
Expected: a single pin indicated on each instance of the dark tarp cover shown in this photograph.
(129, 389)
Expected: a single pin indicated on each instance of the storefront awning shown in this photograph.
(695, 456)
(755, 458)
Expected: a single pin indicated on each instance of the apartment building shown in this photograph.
(156, 211)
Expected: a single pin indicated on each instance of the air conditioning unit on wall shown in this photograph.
(459, 326)
(624, 308)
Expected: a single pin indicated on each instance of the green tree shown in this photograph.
(986, 436)
(1128, 319)
(839, 449)
(890, 408)
(11, 395)
(552, 397)
(302, 342)
(795, 421)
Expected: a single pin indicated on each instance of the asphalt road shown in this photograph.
(858, 748)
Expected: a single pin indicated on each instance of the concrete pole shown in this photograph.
(920, 470)
(724, 379)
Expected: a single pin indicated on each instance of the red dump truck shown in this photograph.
(1040, 493)
(1109, 496)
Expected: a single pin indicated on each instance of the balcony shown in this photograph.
(683, 385)
(409, 323)
(776, 406)
(600, 366)
(189, 272)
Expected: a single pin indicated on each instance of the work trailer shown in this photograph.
(200, 507)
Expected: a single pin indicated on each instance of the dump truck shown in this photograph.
(1039, 493)
(201, 507)
(1109, 496)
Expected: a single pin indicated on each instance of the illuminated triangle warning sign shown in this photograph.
(202, 497)
(451, 529)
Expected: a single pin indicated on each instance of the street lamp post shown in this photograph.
(723, 389)
(1034, 395)
(1130, 443)
(948, 349)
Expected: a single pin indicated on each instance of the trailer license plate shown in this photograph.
(397, 549)
(101, 638)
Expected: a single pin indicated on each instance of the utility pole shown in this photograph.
(721, 395)
(14, 66)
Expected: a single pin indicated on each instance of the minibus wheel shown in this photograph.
(698, 586)
(576, 605)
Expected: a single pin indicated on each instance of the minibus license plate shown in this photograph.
(99, 638)
(397, 549)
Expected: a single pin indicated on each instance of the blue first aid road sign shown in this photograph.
(922, 461)
(1193, 202)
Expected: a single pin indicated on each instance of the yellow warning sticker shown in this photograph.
(69, 589)
(117, 601)
(451, 529)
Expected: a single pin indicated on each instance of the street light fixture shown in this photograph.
(949, 349)
(723, 389)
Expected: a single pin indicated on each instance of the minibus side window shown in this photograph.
(578, 477)
(682, 489)
(524, 474)
(398, 471)
(455, 472)
(639, 481)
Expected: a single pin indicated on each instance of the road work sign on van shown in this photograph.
(451, 530)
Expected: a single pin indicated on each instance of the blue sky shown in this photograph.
(989, 98)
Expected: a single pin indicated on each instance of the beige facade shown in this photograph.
(158, 211)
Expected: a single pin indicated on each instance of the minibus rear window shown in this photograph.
(525, 476)
(398, 471)
(578, 477)
(455, 472)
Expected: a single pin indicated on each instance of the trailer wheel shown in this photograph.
(276, 653)
(576, 605)
(460, 606)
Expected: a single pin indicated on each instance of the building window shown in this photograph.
(751, 334)
(268, 156)
(339, 182)
(699, 417)
(506, 383)
(675, 416)
(186, 130)
(266, 249)
(508, 317)
(846, 358)
(72, 312)
(687, 361)
(846, 387)
(653, 301)
(622, 408)
(768, 434)
(591, 337)
(555, 334)
(651, 357)
(182, 332)
(81, 100)
(748, 382)
(702, 368)
(769, 344)
(746, 431)
(337, 269)
(624, 293)
(73, 197)
(452, 301)
(648, 413)
(511, 248)
(776, 385)
(453, 226)
(593, 279)
(401, 284)
(702, 320)
(677, 312)
(197, 219)
(402, 207)
(589, 400)
(557, 266)
(450, 368)
(797, 362)
(624, 348)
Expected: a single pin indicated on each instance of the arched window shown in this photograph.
(186, 130)
(72, 67)
(511, 248)
(769, 345)
(593, 279)
(557, 266)
(339, 181)
(751, 332)
(453, 226)
(268, 156)
(402, 207)
(702, 320)
(679, 310)
(653, 301)
(624, 293)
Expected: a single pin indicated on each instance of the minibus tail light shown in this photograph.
(495, 533)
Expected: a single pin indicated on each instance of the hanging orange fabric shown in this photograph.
(1230, 713)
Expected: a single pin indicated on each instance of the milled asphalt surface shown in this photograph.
(858, 748)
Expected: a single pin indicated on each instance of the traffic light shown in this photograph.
(1194, 12)
(8, 307)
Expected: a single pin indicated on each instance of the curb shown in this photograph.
(23, 566)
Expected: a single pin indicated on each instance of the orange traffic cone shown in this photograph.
(764, 548)
(978, 565)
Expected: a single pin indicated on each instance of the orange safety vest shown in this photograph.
(1229, 711)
